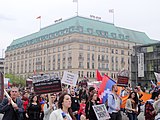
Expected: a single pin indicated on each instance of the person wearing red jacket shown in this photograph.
(81, 110)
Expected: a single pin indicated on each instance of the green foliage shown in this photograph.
(16, 80)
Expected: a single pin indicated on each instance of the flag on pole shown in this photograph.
(157, 75)
(111, 10)
(105, 88)
(39, 17)
(75, 0)
(99, 77)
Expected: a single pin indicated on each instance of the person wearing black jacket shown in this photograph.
(15, 111)
(75, 103)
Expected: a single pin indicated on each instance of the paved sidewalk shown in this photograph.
(1, 115)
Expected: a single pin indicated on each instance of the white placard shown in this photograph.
(141, 65)
(69, 78)
(101, 112)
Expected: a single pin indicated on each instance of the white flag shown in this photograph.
(157, 75)
(75, 0)
(111, 10)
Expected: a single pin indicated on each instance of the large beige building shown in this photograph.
(80, 45)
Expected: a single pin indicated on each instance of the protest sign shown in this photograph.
(101, 112)
(1, 86)
(49, 86)
(69, 78)
(123, 77)
(122, 81)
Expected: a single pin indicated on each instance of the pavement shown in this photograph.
(1, 115)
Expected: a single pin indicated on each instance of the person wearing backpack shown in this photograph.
(150, 112)
(114, 102)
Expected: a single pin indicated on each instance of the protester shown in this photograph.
(33, 109)
(12, 111)
(75, 103)
(132, 106)
(92, 100)
(64, 112)
(114, 103)
(50, 106)
(150, 112)
(25, 100)
(81, 111)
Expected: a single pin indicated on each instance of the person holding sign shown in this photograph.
(64, 112)
(90, 114)
(12, 106)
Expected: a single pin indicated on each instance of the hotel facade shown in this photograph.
(79, 45)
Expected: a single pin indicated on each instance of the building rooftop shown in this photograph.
(84, 26)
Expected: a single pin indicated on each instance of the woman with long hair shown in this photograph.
(132, 106)
(34, 109)
(90, 114)
(64, 111)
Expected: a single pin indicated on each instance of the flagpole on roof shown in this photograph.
(39, 17)
(77, 6)
(112, 11)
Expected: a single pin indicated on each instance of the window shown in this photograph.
(99, 57)
(59, 49)
(93, 57)
(99, 65)
(88, 65)
(81, 47)
(88, 56)
(87, 74)
(64, 48)
(93, 48)
(112, 50)
(112, 66)
(103, 49)
(88, 48)
(79, 73)
(54, 58)
(112, 59)
(116, 59)
(116, 51)
(58, 57)
(54, 50)
(102, 57)
(92, 65)
(122, 52)
(106, 50)
(81, 64)
(107, 67)
(103, 65)
(82, 74)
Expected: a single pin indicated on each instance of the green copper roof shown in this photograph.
(84, 26)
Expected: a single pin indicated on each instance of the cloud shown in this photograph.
(3, 17)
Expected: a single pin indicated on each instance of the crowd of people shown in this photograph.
(76, 103)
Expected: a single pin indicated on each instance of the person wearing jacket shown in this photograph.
(34, 109)
(15, 111)
(64, 111)
(90, 114)
(132, 106)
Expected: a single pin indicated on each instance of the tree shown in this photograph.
(16, 80)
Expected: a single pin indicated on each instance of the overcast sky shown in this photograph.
(18, 17)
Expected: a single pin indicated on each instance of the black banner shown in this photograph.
(48, 86)
(1, 86)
